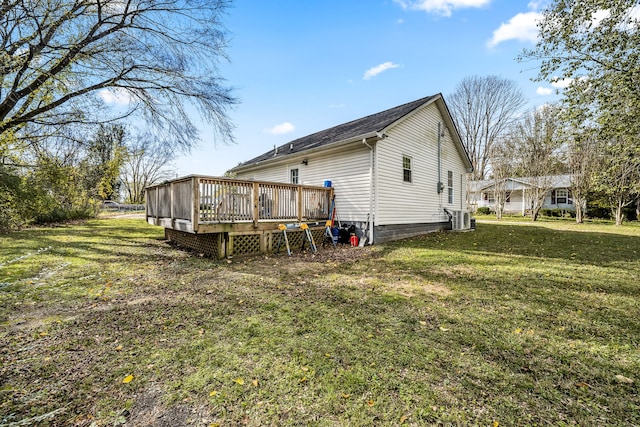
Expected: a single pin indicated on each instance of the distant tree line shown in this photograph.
(592, 133)
(59, 179)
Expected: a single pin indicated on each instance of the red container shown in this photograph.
(354, 240)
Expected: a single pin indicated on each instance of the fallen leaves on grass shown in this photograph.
(127, 379)
(623, 379)
(239, 381)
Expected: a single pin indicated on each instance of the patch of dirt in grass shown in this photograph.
(407, 286)
(142, 300)
(148, 410)
(298, 262)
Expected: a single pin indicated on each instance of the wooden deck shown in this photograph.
(224, 207)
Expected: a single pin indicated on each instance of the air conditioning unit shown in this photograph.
(461, 220)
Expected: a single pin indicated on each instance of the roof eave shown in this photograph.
(286, 157)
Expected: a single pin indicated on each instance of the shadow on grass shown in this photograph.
(352, 343)
(584, 246)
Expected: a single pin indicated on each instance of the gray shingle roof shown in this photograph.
(365, 125)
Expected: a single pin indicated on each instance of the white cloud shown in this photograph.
(544, 91)
(521, 27)
(599, 16)
(561, 83)
(440, 7)
(371, 72)
(117, 96)
(281, 129)
(537, 4)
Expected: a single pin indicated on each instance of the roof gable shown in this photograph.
(365, 126)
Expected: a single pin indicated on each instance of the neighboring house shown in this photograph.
(402, 169)
(482, 194)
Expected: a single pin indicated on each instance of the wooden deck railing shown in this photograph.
(189, 202)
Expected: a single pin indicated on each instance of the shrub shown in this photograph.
(557, 213)
(60, 215)
(598, 210)
(484, 210)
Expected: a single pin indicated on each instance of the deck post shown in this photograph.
(299, 203)
(221, 245)
(172, 205)
(157, 204)
(256, 211)
(195, 212)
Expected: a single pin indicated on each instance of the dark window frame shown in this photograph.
(407, 175)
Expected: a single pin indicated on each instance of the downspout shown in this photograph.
(439, 185)
(439, 161)
(371, 214)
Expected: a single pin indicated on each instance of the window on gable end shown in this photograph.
(406, 169)
(450, 186)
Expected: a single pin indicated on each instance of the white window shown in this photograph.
(294, 176)
(489, 197)
(450, 186)
(406, 169)
(562, 196)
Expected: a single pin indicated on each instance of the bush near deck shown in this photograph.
(103, 323)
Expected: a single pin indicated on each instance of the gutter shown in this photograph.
(371, 209)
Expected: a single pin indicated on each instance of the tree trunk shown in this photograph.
(579, 211)
(534, 214)
(619, 214)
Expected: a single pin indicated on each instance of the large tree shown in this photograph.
(537, 148)
(103, 162)
(147, 162)
(593, 46)
(159, 57)
(583, 156)
(484, 108)
(502, 157)
(618, 176)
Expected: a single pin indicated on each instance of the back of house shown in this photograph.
(397, 173)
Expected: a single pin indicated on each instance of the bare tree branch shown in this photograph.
(160, 54)
(484, 108)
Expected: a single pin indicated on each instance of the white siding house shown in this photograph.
(403, 168)
(482, 194)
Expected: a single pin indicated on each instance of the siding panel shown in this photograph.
(347, 169)
(417, 202)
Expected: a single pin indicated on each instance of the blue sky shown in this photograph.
(303, 66)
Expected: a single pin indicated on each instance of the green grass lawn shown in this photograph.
(102, 323)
